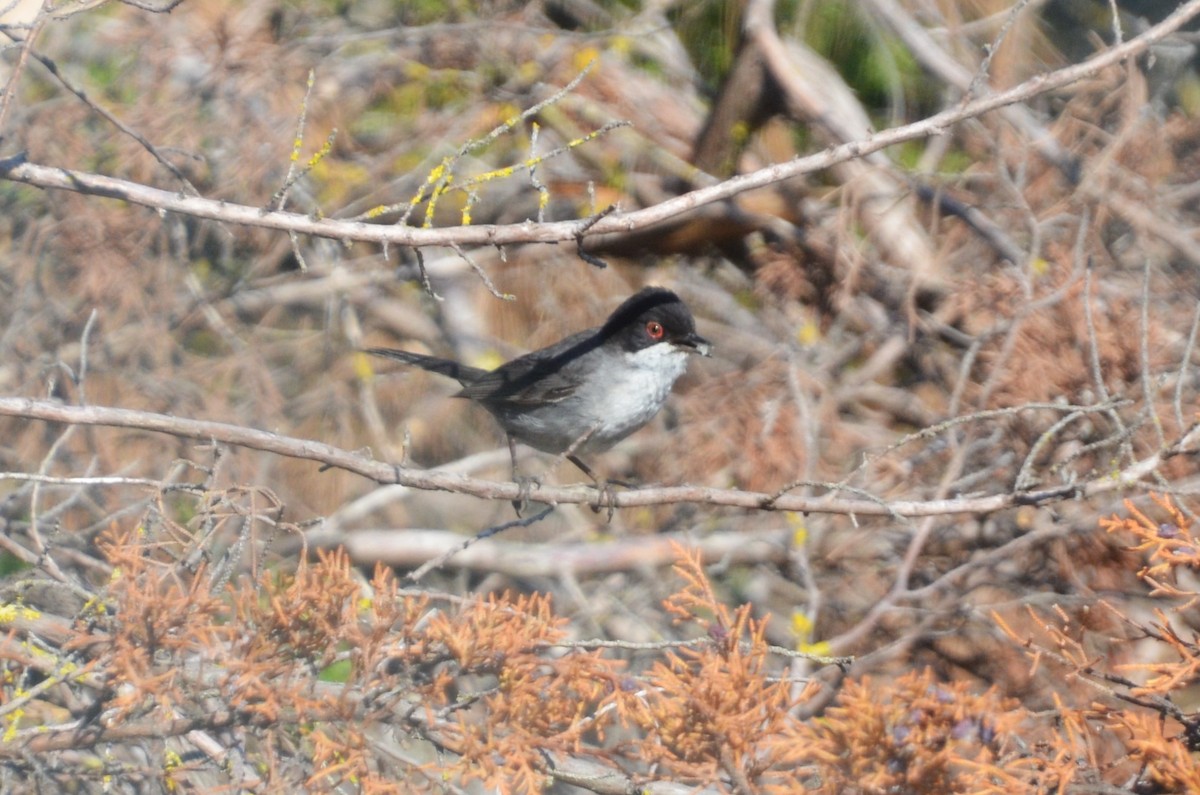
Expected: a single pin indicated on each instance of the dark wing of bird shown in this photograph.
(548, 375)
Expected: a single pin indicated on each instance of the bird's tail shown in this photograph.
(459, 372)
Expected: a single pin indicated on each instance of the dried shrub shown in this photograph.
(712, 711)
(916, 734)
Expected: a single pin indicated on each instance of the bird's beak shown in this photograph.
(695, 344)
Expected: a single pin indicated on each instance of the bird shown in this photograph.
(586, 392)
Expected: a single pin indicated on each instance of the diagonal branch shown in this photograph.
(17, 170)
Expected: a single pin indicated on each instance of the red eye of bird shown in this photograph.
(655, 330)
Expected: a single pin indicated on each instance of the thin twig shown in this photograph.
(104, 480)
(1144, 355)
(1185, 362)
(482, 274)
(990, 50)
(14, 78)
(440, 560)
(142, 140)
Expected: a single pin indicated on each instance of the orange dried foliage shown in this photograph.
(1167, 761)
(712, 711)
(916, 735)
(1073, 740)
(1044, 353)
(158, 616)
(256, 650)
(488, 685)
(1170, 546)
(538, 704)
(1118, 722)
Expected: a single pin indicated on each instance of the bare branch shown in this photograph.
(434, 480)
(17, 170)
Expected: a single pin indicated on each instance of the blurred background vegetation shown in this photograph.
(849, 308)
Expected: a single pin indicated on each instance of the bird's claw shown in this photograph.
(608, 498)
(525, 485)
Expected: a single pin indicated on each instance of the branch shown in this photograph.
(435, 480)
(934, 58)
(81, 734)
(813, 92)
(17, 170)
(411, 548)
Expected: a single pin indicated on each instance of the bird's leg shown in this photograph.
(603, 485)
(524, 482)
(584, 468)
